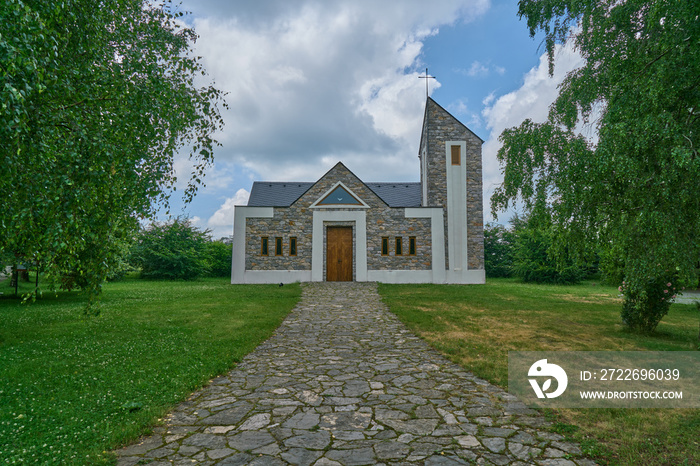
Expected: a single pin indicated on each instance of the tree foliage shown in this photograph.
(219, 255)
(525, 251)
(633, 194)
(174, 250)
(498, 250)
(178, 250)
(533, 259)
(646, 304)
(97, 98)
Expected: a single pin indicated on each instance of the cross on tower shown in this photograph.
(426, 77)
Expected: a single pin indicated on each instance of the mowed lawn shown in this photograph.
(72, 388)
(477, 325)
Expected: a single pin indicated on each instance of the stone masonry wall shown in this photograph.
(297, 220)
(392, 223)
(440, 127)
(286, 223)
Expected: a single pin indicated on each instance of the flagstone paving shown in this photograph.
(343, 382)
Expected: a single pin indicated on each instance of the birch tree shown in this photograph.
(97, 97)
(634, 196)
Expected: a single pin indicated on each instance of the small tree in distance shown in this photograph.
(175, 250)
(498, 250)
(219, 257)
(525, 250)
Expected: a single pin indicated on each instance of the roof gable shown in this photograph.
(339, 196)
(339, 175)
(286, 193)
(447, 115)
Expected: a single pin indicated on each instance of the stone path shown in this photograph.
(343, 382)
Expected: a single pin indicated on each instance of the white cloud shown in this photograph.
(482, 70)
(477, 69)
(488, 99)
(314, 82)
(221, 223)
(464, 113)
(217, 176)
(458, 107)
(311, 83)
(531, 100)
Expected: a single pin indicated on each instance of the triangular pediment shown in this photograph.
(354, 193)
(339, 196)
(445, 118)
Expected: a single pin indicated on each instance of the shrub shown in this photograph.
(532, 261)
(175, 250)
(219, 258)
(646, 302)
(121, 265)
(498, 251)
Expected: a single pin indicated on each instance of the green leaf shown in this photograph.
(88, 140)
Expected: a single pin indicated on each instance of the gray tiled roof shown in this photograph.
(398, 194)
(276, 194)
(283, 194)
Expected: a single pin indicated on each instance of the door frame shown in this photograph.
(347, 253)
(318, 250)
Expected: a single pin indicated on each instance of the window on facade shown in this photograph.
(456, 155)
(385, 246)
(278, 246)
(293, 246)
(264, 246)
(399, 246)
(412, 246)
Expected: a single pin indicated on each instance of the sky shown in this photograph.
(310, 83)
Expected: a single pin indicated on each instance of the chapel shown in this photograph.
(340, 228)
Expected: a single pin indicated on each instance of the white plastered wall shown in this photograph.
(458, 254)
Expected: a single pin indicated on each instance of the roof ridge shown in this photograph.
(392, 182)
(284, 182)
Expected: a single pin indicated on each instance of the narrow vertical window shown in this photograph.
(278, 246)
(399, 246)
(412, 246)
(385, 246)
(293, 246)
(456, 155)
(264, 251)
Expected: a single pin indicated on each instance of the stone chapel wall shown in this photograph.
(297, 221)
(442, 127)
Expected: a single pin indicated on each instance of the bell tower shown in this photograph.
(450, 158)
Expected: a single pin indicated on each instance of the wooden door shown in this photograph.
(339, 254)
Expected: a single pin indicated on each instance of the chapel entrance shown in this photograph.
(339, 254)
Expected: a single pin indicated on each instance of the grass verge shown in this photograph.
(73, 388)
(476, 326)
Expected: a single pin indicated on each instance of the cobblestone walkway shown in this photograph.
(343, 382)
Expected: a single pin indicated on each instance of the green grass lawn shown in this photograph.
(476, 326)
(72, 388)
